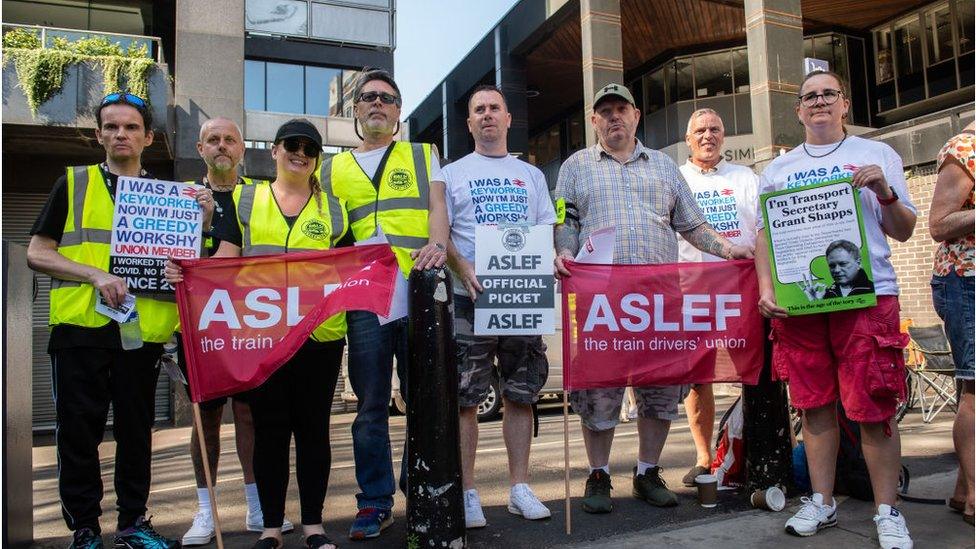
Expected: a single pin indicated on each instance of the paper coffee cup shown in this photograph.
(771, 499)
(707, 490)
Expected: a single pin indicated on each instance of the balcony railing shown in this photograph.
(47, 35)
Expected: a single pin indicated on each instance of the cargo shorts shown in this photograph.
(599, 409)
(522, 364)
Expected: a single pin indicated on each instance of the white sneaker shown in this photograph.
(255, 522)
(474, 517)
(521, 501)
(202, 530)
(892, 529)
(812, 517)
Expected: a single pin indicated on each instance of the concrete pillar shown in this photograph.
(774, 37)
(209, 79)
(454, 115)
(510, 78)
(603, 60)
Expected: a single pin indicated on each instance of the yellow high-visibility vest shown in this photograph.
(87, 239)
(399, 206)
(264, 231)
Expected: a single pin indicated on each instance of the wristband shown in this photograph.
(440, 246)
(888, 201)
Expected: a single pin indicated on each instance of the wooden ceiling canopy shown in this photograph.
(653, 27)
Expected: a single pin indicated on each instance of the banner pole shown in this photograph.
(569, 525)
(198, 422)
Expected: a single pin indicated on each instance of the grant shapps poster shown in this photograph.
(153, 220)
(817, 248)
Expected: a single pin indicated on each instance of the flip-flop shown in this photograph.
(318, 540)
(266, 543)
(957, 504)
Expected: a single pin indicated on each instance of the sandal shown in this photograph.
(266, 543)
(957, 504)
(318, 540)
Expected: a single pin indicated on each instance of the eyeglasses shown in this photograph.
(829, 97)
(119, 97)
(385, 98)
(294, 144)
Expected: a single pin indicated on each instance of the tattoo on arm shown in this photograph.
(567, 236)
(707, 240)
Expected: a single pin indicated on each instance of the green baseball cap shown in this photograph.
(613, 90)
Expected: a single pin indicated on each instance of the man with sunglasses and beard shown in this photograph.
(393, 187)
(70, 241)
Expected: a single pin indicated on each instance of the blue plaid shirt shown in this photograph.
(646, 198)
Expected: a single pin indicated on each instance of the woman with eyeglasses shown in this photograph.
(291, 214)
(854, 355)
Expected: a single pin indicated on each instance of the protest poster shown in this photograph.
(513, 264)
(153, 220)
(818, 251)
(244, 317)
(668, 324)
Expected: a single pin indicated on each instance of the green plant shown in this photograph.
(40, 71)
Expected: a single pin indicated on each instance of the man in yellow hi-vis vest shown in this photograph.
(71, 242)
(395, 187)
(221, 146)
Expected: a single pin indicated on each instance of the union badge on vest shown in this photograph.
(399, 179)
(315, 229)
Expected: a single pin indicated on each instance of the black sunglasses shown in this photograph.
(385, 98)
(119, 97)
(295, 144)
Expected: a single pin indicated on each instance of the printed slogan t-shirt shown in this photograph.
(482, 190)
(798, 168)
(727, 195)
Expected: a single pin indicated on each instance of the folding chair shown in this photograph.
(933, 375)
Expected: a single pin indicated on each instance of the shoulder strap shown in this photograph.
(378, 174)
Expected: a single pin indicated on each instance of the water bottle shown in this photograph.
(130, 332)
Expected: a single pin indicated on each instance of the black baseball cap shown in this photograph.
(299, 127)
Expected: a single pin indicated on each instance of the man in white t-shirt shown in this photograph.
(727, 195)
(474, 184)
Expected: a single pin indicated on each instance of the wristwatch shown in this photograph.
(888, 201)
(440, 246)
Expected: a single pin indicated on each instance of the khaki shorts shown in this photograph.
(599, 409)
(522, 363)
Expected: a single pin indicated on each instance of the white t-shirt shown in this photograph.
(797, 169)
(482, 190)
(370, 160)
(727, 195)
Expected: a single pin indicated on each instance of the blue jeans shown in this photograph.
(371, 351)
(952, 296)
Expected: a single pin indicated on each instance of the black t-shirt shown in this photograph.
(224, 213)
(50, 223)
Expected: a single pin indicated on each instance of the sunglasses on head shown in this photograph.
(385, 98)
(120, 97)
(295, 144)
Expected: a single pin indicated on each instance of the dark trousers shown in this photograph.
(86, 380)
(297, 399)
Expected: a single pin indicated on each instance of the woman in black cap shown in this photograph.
(291, 214)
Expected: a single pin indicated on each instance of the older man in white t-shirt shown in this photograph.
(727, 194)
(491, 187)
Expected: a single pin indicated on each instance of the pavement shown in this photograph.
(927, 452)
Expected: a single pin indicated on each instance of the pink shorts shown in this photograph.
(856, 355)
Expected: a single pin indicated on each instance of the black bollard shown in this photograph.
(766, 430)
(435, 497)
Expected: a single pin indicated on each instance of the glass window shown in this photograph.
(964, 23)
(882, 41)
(544, 147)
(654, 99)
(286, 88)
(908, 43)
(577, 133)
(713, 75)
(680, 83)
(740, 70)
(938, 34)
(369, 3)
(254, 85)
(277, 16)
(323, 90)
(355, 25)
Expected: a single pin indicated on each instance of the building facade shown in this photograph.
(909, 65)
(258, 62)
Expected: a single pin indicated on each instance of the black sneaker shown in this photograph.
(143, 536)
(596, 498)
(86, 538)
(689, 479)
(651, 488)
